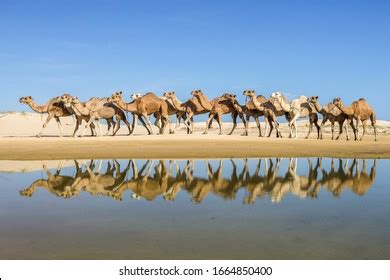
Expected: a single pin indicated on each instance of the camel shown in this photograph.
(189, 108)
(103, 110)
(299, 108)
(250, 109)
(227, 105)
(171, 111)
(54, 108)
(265, 108)
(92, 104)
(143, 107)
(361, 111)
(333, 114)
(224, 104)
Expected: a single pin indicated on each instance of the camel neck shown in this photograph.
(38, 108)
(81, 109)
(345, 110)
(129, 107)
(177, 104)
(205, 103)
(256, 103)
(286, 107)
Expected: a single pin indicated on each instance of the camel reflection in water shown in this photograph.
(151, 179)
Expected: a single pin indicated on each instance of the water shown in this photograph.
(201, 209)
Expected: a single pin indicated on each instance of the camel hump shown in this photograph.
(362, 99)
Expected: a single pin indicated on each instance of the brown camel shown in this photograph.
(331, 113)
(171, 111)
(250, 110)
(267, 108)
(227, 105)
(143, 107)
(54, 108)
(191, 108)
(361, 112)
(219, 106)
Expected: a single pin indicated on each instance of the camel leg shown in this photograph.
(108, 126)
(258, 126)
(373, 124)
(364, 129)
(78, 122)
(310, 129)
(234, 118)
(209, 120)
(87, 125)
(100, 128)
(219, 121)
(266, 126)
(48, 119)
(187, 123)
(128, 125)
(357, 129)
(59, 125)
(117, 126)
(171, 131)
(242, 117)
(319, 131)
(271, 127)
(135, 117)
(293, 122)
(177, 120)
(148, 123)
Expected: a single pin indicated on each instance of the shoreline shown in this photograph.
(186, 147)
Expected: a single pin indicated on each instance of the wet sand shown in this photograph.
(191, 146)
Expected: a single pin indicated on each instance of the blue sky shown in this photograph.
(92, 48)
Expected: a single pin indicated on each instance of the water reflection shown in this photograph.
(200, 179)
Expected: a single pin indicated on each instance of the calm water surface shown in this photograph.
(201, 209)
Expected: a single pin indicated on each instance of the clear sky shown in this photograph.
(92, 48)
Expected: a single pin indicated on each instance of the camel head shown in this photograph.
(74, 100)
(26, 100)
(249, 93)
(136, 96)
(313, 100)
(65, 98)
(196, 93)
(170, 94)
(337, 101)
(117, 96)
(230, 97)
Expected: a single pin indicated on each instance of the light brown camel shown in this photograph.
(267, 108)
(143, 107)
(108, 111)
(250, 110)
(361, 112)
(95, 104)
(299, 108)
(219, 106)
(54, 108)
(92, 103)
(331, 113)
(189, 108)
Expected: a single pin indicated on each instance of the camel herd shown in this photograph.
(113, 109)
(160, 178)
